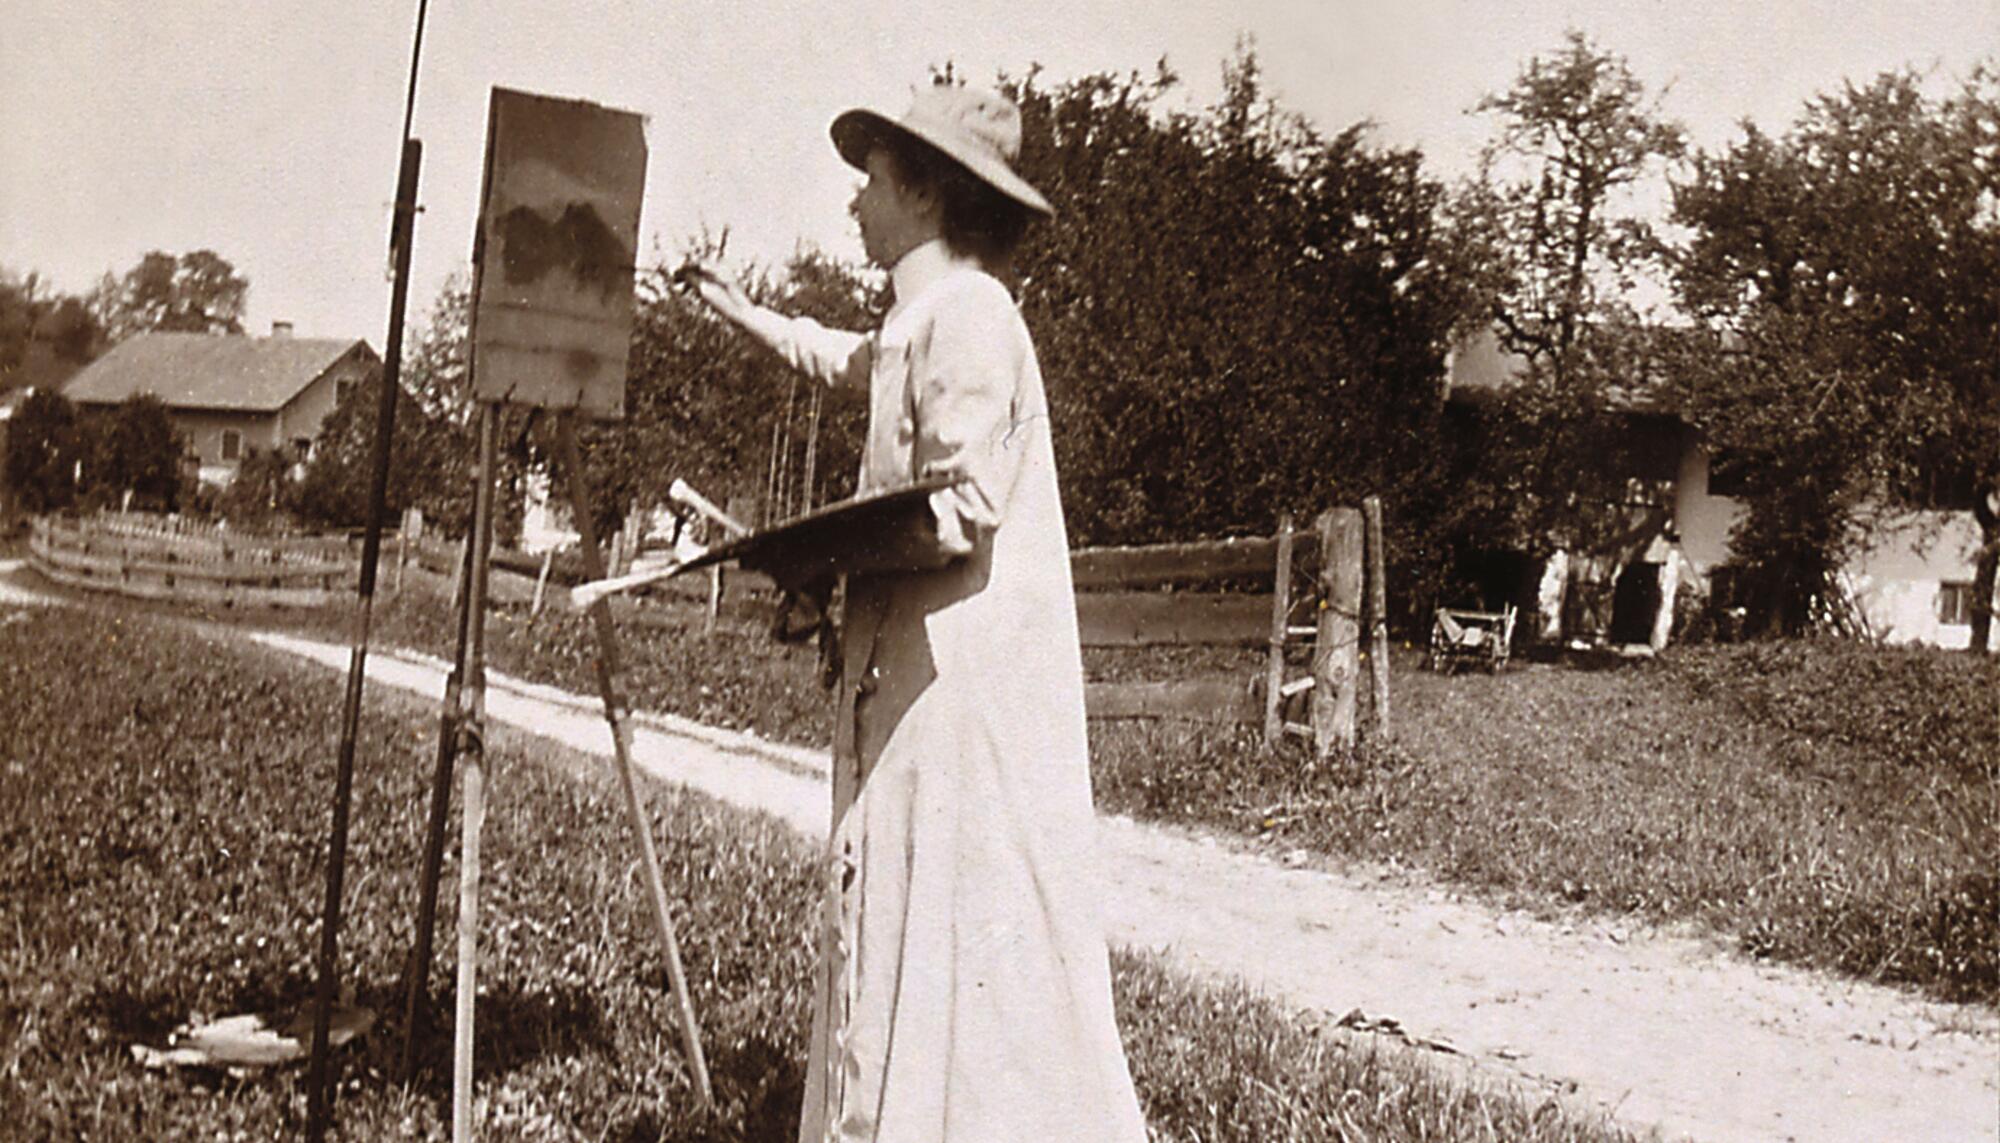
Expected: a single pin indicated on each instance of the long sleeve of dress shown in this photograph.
(966, 390)
(837, 357)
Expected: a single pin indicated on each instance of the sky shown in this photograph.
(268, 130)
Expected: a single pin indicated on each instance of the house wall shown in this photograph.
(203, 429)
(301, 417)
(1899, 580)
(1704, 521)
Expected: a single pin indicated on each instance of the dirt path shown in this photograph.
(1664, 1031)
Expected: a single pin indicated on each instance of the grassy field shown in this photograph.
(161, 818)
(1831, 805)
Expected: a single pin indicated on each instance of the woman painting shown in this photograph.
(964, 994)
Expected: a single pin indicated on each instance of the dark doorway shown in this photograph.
(1635, 602)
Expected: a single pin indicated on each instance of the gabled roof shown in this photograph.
(210, 371)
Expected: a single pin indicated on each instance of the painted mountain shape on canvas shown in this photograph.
(578, 243)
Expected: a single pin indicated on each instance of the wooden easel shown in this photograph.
(462, 722)
(462, 737)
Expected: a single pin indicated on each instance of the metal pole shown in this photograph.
(318, 1102)
(571, 459)
(472, 727)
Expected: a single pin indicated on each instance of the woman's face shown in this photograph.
(894, 217)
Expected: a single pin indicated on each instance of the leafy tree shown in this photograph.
(19, 312)
(70, 329)
(435, 450)
(197, 292)
(1237, 315)
(29, 313)
(1846, 281)
(705, 404)
(43, 449)
(134, 448)
(431, 462)
(263, 493)
(1576, 133)
(1564, 249)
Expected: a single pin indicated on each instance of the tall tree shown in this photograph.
(1577, 133)
(706, 405)
(1846, 278)
(19, 311)
(135, 449)
(1237, 314)
(44, 446)
(197, 292)
(1556, 208)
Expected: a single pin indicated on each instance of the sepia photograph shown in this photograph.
(1323, 571)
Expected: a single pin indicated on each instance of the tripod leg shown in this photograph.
(416, 971)
(473, 726)
(571, 459)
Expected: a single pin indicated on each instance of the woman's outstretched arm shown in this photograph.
(838, 357)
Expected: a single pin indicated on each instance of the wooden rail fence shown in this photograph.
(1120, 603)
(1154, 595)
(172, 559)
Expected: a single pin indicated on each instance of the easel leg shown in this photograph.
(473, 726)
(416, 972)
(571, 459)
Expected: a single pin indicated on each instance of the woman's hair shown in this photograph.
(976, 220)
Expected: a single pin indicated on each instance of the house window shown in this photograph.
(342, 390)
(1955, 604)
(232, 444)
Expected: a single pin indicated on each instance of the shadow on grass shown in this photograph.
(128, 1017)
(513, 1029)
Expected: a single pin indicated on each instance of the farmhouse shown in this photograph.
(229, 395)
(1912, 585)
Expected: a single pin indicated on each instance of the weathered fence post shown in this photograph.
(1281, 616)
(458, 576)
(409, 534)
(1337, 647)
(1378, 621)
(541, 584)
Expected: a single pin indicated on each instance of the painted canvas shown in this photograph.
(559, 226)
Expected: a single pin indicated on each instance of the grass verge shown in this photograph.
(161, 826)
(1857, 830)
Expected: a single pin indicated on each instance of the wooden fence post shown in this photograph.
(541, 584)
(1337, 647)
(411, 531)
(458, 576)
(1378, 621)
(1281, 616)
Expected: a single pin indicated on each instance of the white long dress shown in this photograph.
(964, 993)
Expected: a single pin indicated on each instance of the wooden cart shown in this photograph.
(1481, 638)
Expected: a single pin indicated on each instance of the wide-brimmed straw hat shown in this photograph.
(979, 130)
